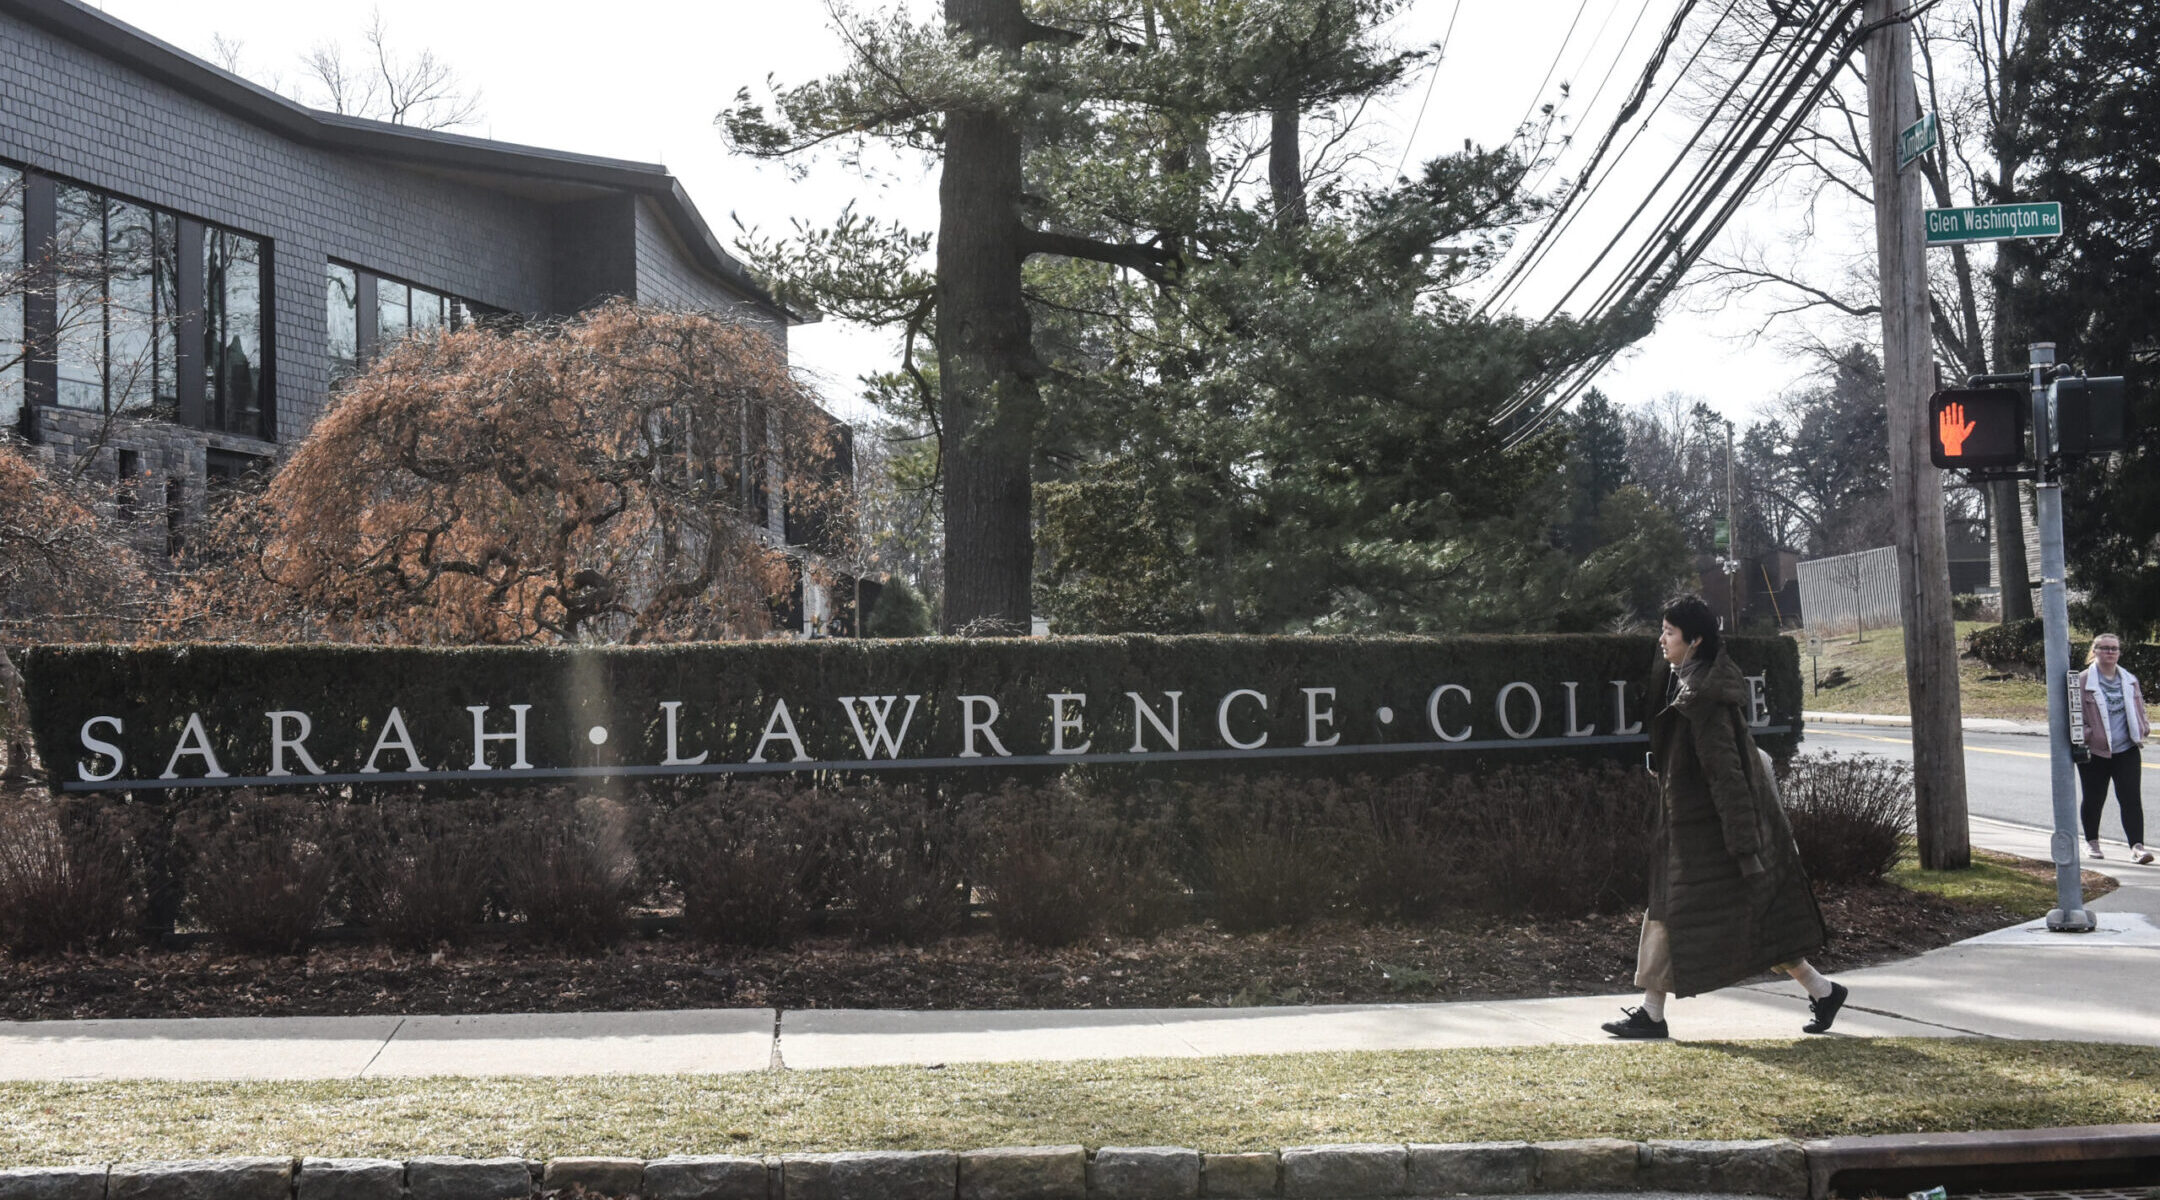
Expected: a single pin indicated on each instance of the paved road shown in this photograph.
(2006, 775)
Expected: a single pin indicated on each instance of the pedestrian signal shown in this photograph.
(2085, 415)
(1977, 427)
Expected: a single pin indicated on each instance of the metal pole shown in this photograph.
(1732, 537)
(2069, 914)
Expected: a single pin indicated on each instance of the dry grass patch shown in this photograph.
(1811, 1088)
(1874, 672)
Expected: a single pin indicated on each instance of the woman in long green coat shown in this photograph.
(1729, 899)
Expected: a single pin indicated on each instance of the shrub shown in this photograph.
(261, 877)
(1966, 606)
(415, 874)
(566, 867)
(900, 612)
(1849, 815)
(748, 860)
(1415, 867)
(896, 865)
(1560, 840)
(2012, 646)
(1059, 865)
(1273, 852)
(65, 882)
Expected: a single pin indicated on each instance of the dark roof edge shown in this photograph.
(123, 43)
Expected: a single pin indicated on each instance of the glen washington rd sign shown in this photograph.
(1994, 223)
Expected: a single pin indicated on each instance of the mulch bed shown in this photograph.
(1328, 963)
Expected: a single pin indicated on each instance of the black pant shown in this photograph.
(2123, 769)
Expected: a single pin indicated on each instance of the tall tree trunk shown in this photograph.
(987, 394)
(1285, 172)
(17, 760)
(2011, 566)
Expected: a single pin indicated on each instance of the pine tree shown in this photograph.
(2092, 138)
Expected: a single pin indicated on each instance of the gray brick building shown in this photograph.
(245, 249)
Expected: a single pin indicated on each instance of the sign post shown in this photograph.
(2069, 914)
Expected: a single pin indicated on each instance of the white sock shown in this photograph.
(1814, 981)
(1653, 1005)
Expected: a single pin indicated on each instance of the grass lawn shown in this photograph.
(1874, 667)
(1802, 1088)
(2021, 885)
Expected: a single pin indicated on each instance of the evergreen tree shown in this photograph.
(1068, 132)
(2092, 139)
(1597, 464)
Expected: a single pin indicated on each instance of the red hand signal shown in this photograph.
(1953, 428)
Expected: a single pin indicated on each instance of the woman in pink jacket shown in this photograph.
(2115, 726)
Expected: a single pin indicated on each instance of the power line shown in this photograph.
(1446, 39)
(1653, 281)
(1557, 56)
(1571, 206)
(1610, 69)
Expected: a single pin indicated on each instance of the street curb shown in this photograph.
(1330, 1172)
(1893, 721)
(1384, 1171)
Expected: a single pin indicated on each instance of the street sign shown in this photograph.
(1977, 427)
(1915, 140)
(1994, 222)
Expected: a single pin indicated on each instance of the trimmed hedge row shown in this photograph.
(2022, 646)
(610, 708)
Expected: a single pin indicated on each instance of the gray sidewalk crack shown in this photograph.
(776, 1064)
(373, 1058)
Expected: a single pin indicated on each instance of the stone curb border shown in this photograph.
(1336, 1172)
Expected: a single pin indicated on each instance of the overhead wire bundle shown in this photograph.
(1756, 115)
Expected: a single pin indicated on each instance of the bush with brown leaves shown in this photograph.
(600, 478)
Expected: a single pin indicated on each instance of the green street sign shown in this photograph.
(1915, 140)
(1994, 222)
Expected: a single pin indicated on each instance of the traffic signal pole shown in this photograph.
(1915, 487)
(2069, 914)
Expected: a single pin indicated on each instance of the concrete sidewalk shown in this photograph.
(2021, 982)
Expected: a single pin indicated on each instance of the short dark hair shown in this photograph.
(1693, 617)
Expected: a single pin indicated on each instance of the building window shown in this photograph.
(393, 310)
(233, 271)
(368, 312)
(343, 342)
(114, 325)
(13, 278)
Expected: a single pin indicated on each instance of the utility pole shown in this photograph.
(1915, 488)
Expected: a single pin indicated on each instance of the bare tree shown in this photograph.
(1962, 71)
(378, 81)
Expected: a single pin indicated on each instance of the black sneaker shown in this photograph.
(1637, 1025)
(1826, 1009)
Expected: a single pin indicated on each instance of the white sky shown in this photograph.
(643, 79)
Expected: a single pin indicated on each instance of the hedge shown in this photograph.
(2022, 646)
(172, 708)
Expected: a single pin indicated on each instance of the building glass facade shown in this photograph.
(11, 297)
